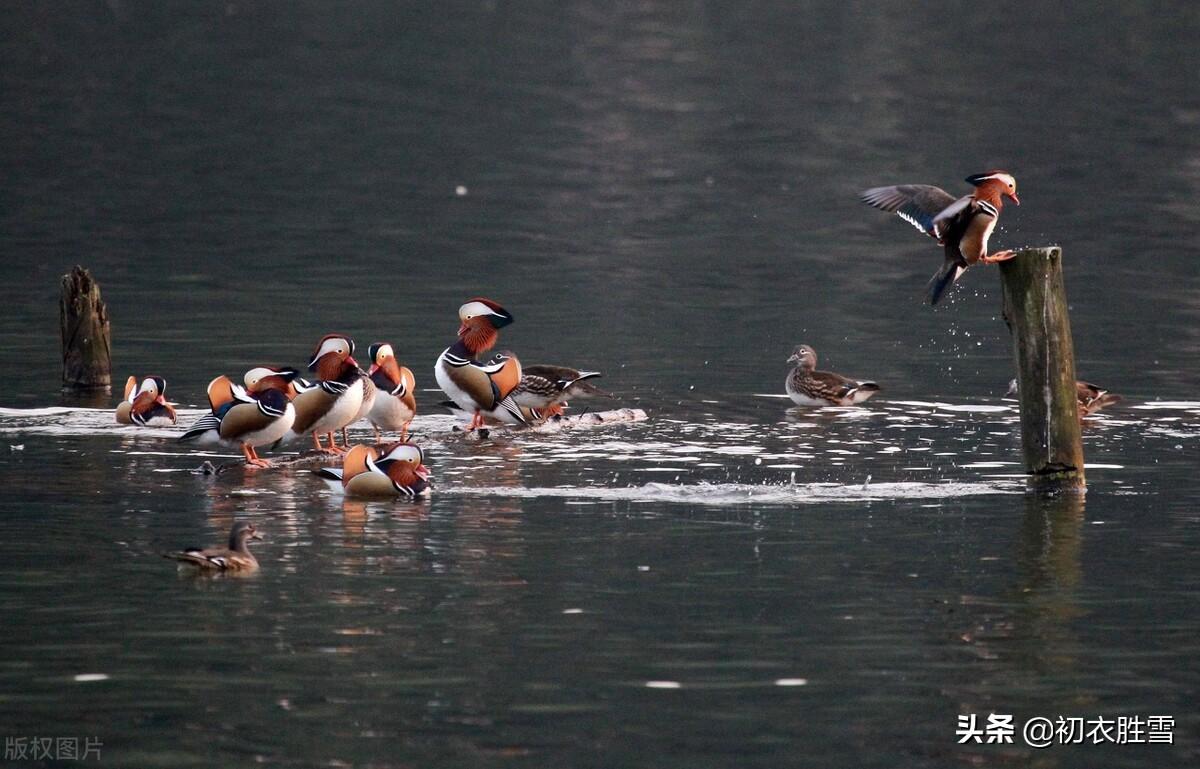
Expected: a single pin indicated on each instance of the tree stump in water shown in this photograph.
(86, 336)
(1035, 308)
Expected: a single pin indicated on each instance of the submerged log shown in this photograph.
(1035, 309)
(86, 335)
(312, 459)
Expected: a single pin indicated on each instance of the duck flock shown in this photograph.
(275, 405)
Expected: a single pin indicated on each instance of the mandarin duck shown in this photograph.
(1091, 398)
(396, 470)
(334, 400)
(962, 227)
(368, 403)
(239, 416)
(808, 387)
(146, 405)
(483, 390)
(283, 378)
(395, 398)
(547, 388)
(235, 556)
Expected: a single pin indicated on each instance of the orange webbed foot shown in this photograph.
(999, 256)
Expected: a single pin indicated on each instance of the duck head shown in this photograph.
(334, 353)
(262, 378)
(993, 185)
(240, 533)
(804, 356)
(383, 357)
(152, 391)
(404, 463)
(480, 319)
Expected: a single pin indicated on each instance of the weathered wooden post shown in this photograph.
(1035, 308)
(86, 336)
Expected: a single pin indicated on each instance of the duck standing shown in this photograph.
(395, 392)
(483, 390)
(146, 405)
(808, 387)
(249, 419)
(333, 402)
(962, 227)
(235, 556)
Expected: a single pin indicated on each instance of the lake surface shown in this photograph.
(665, 192)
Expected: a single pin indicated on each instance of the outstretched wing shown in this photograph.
(917, 204)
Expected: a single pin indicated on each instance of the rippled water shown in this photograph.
(665, 192)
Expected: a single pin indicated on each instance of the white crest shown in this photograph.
(475, 310)
(405, 452)
(334, 344)
(257, 374)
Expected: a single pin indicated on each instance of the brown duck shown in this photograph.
(236, 556)
(809, 387)
(962, 227)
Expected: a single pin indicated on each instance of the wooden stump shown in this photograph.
(86, 336)
(1035, 308)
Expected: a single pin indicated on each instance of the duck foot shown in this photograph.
(999, 256)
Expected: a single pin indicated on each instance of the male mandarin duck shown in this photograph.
(808, 387)
(961, 226)
(546, 389)
(483, 390)
(333, 402)
(146, 405)
(395, 397)
(282, 378)
(368, 403)
(236, 556)
(247, 418)
(1091, 398)
(397, 470)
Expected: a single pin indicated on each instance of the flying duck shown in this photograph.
(397, 470)
(334, 400)
(809, 387)
(236, 556)
(962, 227)
(483, 390)
(547, 388)
(249, 419)
(395, 392)
(146, 405)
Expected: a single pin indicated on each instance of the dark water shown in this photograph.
(665, 192)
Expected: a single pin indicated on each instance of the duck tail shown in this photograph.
(942, 280)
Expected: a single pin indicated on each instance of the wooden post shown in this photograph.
(86, 336)
(1035, 308)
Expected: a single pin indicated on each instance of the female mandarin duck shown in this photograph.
(546, 389)
(1091, 398)
(146, 405)
(397, 470)
(236, 556)
(961, 226)
(482, 390)
(395, 398)
(334, 401)
(809, 387)
(250, 417)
